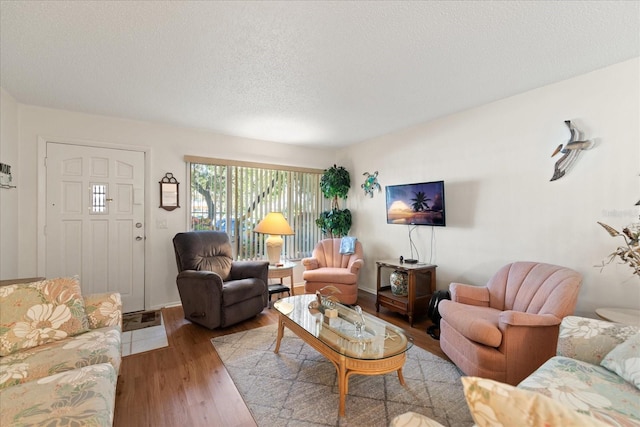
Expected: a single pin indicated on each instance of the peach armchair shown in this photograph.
(327, 266)
(508, 328)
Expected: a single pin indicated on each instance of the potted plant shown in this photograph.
(334, 184)
(629, 253)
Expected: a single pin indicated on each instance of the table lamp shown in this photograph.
(275, 225)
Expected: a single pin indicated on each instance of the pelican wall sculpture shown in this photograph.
(570, 151)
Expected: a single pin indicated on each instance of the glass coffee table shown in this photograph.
(355, 343)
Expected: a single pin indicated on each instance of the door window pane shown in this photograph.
(99, 199)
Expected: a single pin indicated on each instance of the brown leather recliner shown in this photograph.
(216, 291)
(507, 329)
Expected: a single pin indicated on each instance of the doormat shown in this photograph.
(141, 319)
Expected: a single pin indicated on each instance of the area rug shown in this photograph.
(141, 319)
(298, 387)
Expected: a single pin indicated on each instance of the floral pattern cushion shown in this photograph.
(587, 388)
(624, 360)
(81, 397)
(93, 347)
(104, 310)
(590, 340)
(413, 419)
(40, 312)
(495, 404)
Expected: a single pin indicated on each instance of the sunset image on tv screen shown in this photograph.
(417, 204)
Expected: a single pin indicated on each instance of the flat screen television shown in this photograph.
(416, 204)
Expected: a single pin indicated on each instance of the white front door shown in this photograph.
(95, 219)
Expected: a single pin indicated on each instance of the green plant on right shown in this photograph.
(334, 184)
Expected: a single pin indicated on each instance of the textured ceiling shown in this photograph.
(311, 73)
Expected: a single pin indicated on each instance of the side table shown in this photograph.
(627, 316)
(422, 284)
(280, 272)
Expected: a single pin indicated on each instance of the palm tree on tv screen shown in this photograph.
(420, 202)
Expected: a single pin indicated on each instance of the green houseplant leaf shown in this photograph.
(335, 223)
(334, 184)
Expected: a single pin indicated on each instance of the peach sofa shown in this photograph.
(508, 328)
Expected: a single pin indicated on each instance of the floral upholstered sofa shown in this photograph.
(594, 380)
(59, 354)
(596, 371)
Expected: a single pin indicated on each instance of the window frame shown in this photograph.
(306, 237)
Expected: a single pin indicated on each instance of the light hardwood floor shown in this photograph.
(186, 383)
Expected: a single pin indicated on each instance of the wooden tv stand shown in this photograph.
(422, 284)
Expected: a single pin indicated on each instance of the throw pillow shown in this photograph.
(413, 419)
(624, 360)
(36, 313)
(495, 404)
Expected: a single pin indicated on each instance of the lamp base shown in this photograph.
(274, 248)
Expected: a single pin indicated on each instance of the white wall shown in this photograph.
(501, 206)
(495, 160)
(168, 146)
(9, 197)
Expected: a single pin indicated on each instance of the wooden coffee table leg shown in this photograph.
(280, 334)
(400, 377)
(342, 387)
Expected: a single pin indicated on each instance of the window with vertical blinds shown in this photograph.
(234, 196)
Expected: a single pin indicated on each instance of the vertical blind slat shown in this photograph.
(238, 197)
